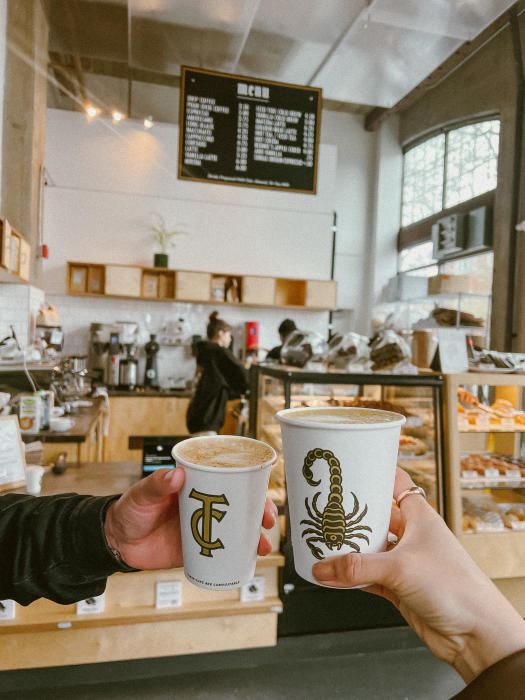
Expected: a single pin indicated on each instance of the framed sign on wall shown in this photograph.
(248, 131)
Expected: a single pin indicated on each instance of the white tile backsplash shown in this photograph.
(77, 313)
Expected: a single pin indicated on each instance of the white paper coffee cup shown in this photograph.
(340, 474)
(221, 507)
(34, 474)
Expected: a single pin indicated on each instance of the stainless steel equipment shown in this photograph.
(99, 343)
(129, 368)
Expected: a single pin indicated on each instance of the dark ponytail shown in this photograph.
(216, 324)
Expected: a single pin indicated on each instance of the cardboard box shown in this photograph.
(450, 284)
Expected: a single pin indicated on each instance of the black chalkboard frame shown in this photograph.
(317, 92)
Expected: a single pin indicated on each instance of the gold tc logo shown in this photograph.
(205, 514)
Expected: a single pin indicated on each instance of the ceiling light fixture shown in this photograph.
(148, 122)
(92, 111)
(117, 116)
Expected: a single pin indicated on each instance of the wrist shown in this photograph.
(492, 640)
(110, 534)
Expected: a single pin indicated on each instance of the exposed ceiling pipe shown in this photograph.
(364, 13)
(245, 36)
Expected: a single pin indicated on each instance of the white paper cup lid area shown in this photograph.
(341, 418)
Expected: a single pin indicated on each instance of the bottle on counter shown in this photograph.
(151, 375)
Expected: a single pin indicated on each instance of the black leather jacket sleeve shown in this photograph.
(54, 547)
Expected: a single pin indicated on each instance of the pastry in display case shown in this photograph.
(416, 398)
(485, 457)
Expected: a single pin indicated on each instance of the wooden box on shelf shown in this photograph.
(123, 281)
(258, 290)
(290, 292)
(77, 278)
(150, 284)
(321, 294)
(24, 264)
(5, 243)
(14, 255)
(192, 286)
(96, 279)
(166, 287)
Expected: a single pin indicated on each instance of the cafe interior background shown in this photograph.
(421, 125)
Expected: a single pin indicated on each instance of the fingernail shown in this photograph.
(274, 510)
(169, 474)
(323, 571)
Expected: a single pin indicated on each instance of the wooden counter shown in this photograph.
(82, 443)
(131, 627)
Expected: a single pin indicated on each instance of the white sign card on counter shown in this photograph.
(452, 345)
(12, 455)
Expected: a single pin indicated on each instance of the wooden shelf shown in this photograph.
(187, 286)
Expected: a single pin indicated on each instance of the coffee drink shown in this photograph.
(224, 452)
(342, 415)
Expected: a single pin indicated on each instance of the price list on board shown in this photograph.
(251, 132)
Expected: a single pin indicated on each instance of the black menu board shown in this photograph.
(248, 131)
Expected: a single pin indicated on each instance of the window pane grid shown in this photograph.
(472, 160)
(423, 180)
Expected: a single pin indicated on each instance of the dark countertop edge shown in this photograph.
(172, 393)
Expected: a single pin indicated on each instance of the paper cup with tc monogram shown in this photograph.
(340, 468)
(221, 507)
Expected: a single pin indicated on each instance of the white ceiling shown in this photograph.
(367, 53)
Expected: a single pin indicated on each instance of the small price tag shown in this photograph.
(492, 473)
(254, 590)
(469, 474)
(91, 605)
(513, 474)
(168, 594)
(7, 609)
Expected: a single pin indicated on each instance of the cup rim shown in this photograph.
(224, 470)
(284, 417)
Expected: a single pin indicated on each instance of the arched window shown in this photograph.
(453, 166)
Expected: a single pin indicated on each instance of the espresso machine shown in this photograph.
(107, 344)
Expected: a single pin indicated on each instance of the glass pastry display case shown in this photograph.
(417, 397)
(421, 451)
(485, 455)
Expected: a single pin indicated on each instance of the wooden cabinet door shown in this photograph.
(142, 415)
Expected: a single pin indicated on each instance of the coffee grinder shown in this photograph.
(151, 375)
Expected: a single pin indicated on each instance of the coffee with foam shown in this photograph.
(224, 452)
(341, 416)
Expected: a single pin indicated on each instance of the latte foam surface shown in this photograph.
(233, 453)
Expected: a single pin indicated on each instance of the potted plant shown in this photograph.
(164, 239)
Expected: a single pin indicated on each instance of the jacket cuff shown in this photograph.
(91, 551)
(504, 679)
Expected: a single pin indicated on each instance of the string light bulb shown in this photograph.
(92, 111)
(148, 122)
(117, 116)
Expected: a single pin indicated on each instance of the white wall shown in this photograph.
(106, 181)
(3, 49)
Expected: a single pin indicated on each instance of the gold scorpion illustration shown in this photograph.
(333, 526)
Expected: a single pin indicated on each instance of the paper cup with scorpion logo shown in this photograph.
(221, 507)
(340, 469)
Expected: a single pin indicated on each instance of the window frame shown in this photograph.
(444, 129)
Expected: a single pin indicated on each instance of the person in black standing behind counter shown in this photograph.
(285, 329)
(220, 377)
